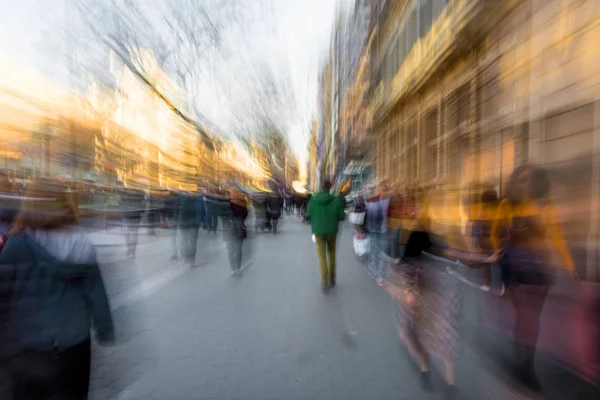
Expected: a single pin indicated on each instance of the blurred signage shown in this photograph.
(356, 167)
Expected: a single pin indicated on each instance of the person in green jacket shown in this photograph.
(325, 212)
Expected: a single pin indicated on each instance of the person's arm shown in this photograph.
(309, 207)
(558, 240)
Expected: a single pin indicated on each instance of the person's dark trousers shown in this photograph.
(189, 239)
(528, 301)
(273, 220)
(326, 254)
(234, 249)
(63, 375)
(212, 221)
(395, 237)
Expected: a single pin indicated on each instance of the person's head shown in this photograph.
(489, 197)
(528, 182)
(46, 206)
(326, 186)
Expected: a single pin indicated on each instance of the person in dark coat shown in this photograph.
(274, 209)
(235, 232)
(53, 293)
(189, 226)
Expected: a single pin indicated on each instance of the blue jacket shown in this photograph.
(52, 303)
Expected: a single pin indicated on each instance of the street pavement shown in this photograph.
(199, 333)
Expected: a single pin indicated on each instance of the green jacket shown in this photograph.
(324, 212)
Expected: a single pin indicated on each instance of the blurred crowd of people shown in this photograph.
(52, 292)
(515, 242)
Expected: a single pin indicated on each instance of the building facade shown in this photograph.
(464, 91)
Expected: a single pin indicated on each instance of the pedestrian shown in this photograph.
(289, 202)
(481, 228)
(9, 205)
(153, 211)
(325, 213)
(189, 227)
(53, 295)
(235, 233)
(394, 224)
(132, 203)
(211, 206)
(171, 207)
(376, 226)
(534, 237)
(274, 209)
(428, 301)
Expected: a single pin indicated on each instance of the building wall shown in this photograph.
(527, 91)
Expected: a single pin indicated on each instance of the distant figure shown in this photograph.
(376, 226)
(289, 203)
(52, 289)
(133, 205)
(171, 212)
(325, 213)
(394, 224)
(155, 206)
(9, 204)
(235, 233)
(189, 226)
(274, 209)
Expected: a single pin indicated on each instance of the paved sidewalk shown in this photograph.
(271, 334)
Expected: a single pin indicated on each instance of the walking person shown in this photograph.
(325, 213)
(133, 205)
(171, 210)
(534, 236)
(394, 224)
(235, 233)
(189, 227)
(53, 294)
(274, 209)
(376, 226)
(154, 206)
(211, 209)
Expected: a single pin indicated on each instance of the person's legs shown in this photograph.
(193, 243)
(173, 226)
(374, 249)
(231, 255)
(394, 245)
(74, 364)
(321, 242)
(133, 232)
(238, 244)
(528, 301)
(50, 375)
(331, 241)
(449, 372)
(188, 243)
(215, 222)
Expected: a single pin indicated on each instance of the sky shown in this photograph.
(290, 37)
